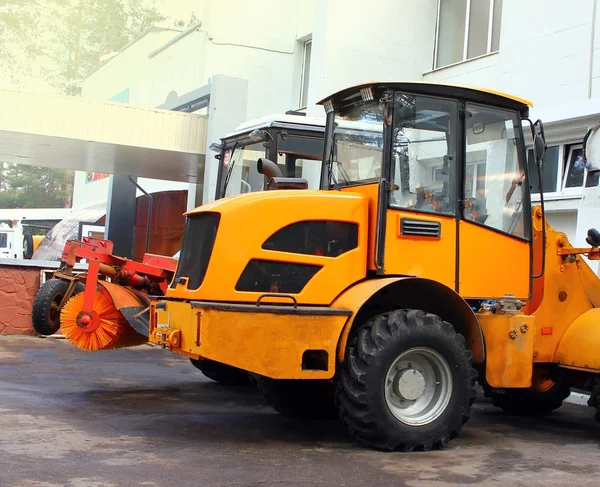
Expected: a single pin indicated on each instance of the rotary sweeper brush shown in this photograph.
(107, 306)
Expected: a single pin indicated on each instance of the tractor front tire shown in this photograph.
(222, 373)
(529, 402)
(45, 315)
(407, 382)
(298, 399)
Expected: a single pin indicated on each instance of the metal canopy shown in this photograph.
(73, 133)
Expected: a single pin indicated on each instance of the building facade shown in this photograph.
(546, 51)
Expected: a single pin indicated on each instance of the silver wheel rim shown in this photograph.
(418, 386)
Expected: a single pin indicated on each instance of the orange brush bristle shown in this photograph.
(111, 328)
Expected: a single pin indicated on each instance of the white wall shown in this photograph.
(128, 69)
(565, 222)
(355, 42)
(236, 38)
(543, 56)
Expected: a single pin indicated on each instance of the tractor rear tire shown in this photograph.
(528, 402)
(222, 373)
(45, 315)
(407, 382)
(299, 399)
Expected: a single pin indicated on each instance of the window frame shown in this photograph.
(576, 190)
(565, 149)
(453, 184)
(303, 85)
(521, 153)
(465, 57)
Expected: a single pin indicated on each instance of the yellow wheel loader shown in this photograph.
(418, 268)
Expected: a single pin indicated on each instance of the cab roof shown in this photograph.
(475, 94)
(283, 121)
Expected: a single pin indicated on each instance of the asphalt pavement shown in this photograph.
(145, 417)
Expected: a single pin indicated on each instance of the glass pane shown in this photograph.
(424, 151)
(328, 237)
(309, 170)
(305, 73)
(492, 146)
(3, 240)
(451, 32)
(576, 169)
(479, 21)
(496, 25)
(300, 168)
(358, 143)
(242, 174)
(549, 170)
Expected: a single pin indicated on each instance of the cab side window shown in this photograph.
(424, 154)
(494, 185)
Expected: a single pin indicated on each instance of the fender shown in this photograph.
(371, 297)
(578, 347)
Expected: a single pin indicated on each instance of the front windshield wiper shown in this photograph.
(330, 164)
(230, 169)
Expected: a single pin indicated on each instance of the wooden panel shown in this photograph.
(166, 225)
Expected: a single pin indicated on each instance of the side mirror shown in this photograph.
(216, 148)
(539, 142)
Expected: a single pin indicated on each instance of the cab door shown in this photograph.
(421, 225)
(494, 229)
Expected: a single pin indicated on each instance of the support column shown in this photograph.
(226, 110)
(120, 215)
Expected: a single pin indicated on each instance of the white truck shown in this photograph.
(15, 244)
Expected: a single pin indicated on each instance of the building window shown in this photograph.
(563, 171)
(466, 29)
(305, 75)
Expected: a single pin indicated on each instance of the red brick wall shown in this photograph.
(18, 287)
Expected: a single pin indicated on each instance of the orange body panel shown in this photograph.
(353, 299)
(371, 193)
(565, 294)
(261, 342)
(578, 347)
(492, 265)
(427, 257)
(509, 349)
(242, 233)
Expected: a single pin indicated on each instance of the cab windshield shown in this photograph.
(357, 149)
(239, 173)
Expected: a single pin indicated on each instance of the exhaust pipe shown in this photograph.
(268, 168)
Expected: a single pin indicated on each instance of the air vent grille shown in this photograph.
(420, 228)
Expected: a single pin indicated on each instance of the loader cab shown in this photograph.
(293, 142)
(445, 170)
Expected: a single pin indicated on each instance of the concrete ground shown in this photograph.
(144, 417)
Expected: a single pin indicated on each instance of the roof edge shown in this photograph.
(429, 83)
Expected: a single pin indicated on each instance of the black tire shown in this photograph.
(222, 373)
(27, 246)
(527, 402)
(45, 315)
(372, 350)
(299, 399)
